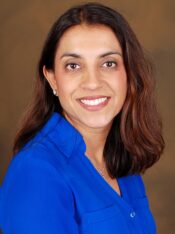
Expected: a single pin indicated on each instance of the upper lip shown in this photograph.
(93, 97)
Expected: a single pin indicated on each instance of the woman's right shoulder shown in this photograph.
(41, 147)
(33, 187)
(34, 160)
(39, 156)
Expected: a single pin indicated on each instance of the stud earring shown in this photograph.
(55, 92)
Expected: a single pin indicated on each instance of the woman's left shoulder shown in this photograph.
(136, 183)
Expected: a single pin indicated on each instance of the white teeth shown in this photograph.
(93, 102)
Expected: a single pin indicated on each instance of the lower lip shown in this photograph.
(95, 107)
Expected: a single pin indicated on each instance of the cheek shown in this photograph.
(119, 84)
(124, 86)
(65, 87)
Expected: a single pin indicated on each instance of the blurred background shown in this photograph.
(23, 28)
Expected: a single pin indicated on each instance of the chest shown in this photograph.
(100, 208)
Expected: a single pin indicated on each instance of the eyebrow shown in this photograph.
(79, 56)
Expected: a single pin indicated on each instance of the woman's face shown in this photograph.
(89, 76)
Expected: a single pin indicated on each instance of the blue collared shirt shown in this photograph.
(52, 187)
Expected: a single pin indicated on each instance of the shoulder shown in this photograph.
(42, 147)
(140, 184)
(38, 161)
(46, 155)
(135, 185)
(35, 181)
(34, 195)
(29, 169)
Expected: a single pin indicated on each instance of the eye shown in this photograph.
(72, 66)
(110, 64)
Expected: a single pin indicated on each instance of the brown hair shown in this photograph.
(135, 140)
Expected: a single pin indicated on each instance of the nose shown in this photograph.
(91, 80)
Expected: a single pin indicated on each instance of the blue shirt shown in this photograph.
(52, 187)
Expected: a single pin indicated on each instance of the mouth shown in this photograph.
(94, 103)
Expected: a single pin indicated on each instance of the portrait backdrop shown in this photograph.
(23, 29)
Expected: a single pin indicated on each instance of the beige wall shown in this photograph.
(23, 27)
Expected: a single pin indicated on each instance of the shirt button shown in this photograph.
(132, 214)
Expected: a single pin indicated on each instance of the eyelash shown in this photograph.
(69, 64)
(114, 64)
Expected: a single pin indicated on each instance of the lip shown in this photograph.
(95, 107)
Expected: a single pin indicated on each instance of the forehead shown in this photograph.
(84, 37)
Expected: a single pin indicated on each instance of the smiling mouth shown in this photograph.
(94, 103)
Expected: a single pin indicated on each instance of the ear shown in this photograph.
(50, 77)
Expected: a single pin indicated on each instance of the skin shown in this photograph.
(89, 64)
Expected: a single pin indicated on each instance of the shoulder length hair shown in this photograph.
(135, 140)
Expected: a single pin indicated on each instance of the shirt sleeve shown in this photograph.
(37, 200)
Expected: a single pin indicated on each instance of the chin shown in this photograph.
(90, 121)
(98, 123)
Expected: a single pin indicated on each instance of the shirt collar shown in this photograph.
(65, 136)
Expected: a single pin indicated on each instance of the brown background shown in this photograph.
(23, 28)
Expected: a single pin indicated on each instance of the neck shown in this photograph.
(95, 147)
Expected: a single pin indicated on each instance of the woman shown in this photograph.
(90, 133)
